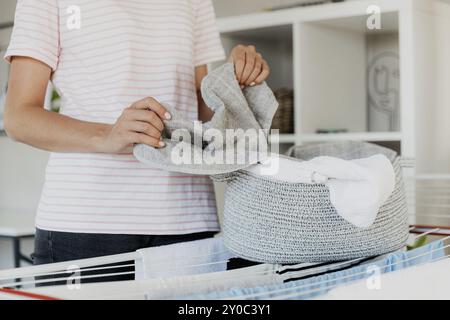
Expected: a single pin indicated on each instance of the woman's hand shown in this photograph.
(139, 123)
(27, 121)
(250, 67)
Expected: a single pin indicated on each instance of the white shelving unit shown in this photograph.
(322, 53)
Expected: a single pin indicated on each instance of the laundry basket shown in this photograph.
(270, 221)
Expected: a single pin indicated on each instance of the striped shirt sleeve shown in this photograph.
(208, 46)
(36, 32)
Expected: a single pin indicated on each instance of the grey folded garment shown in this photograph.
(197, 148)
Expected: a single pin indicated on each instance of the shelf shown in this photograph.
(340, 58)
(285, 138)
(355, 136)
(275, 33)
(347, 76)
(321, 13)
(357, 24)
(6, 25)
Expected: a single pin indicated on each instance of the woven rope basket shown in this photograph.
(274, 222)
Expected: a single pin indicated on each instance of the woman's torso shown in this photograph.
(119, 52)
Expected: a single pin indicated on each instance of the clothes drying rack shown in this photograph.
(20, 281)
(13, 278)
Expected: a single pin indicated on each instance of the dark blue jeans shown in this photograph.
(52, 246)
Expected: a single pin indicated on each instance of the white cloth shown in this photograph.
(188, 258)
(197, 267)
(429, 281)
(358, 188)
(255, 276)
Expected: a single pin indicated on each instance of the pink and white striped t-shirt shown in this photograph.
(107, 54)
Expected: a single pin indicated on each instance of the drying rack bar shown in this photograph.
(437, 230)
(84, 263)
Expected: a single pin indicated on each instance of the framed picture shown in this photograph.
(5, 34)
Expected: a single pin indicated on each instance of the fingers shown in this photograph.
(144, 127)
(140, 138)
(250, 81)
(151, 104)
(250, 67)
(264, 73)
(250, 60)
(141, 123)
(145, 116)
(238, 57)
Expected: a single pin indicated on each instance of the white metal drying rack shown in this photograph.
(120, 260)
(94, 263)
(289, 292)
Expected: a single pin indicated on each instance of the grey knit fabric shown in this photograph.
(251, 108)
(275, 222)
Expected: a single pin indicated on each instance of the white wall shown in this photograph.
(7, 8)
(21, 167)
(6, 15)
(22, 171)
(238, 7)
(235, 7)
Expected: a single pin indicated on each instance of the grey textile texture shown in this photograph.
(274, 222)
(234, 108)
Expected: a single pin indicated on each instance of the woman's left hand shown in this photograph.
(250, 67)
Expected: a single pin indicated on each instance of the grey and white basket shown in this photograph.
(274, 222)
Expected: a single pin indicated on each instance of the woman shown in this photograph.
(112, 63)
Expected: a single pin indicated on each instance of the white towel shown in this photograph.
(358, 188)
(187, 258)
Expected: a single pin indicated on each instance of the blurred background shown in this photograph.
(335, 79)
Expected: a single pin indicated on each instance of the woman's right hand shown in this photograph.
(140, 123)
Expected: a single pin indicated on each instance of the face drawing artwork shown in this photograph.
(384, 87)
